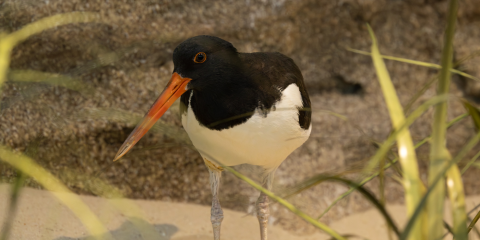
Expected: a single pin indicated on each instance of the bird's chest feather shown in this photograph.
(264, 140)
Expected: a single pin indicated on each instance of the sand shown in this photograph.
(41, 216)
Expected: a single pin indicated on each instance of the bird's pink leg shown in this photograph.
(262, 203)
(217, 212)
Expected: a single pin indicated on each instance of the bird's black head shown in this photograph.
(207, 65)
(206, 60)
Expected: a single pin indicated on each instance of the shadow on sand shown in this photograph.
(137, 229)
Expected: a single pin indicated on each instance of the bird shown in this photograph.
(237, 108)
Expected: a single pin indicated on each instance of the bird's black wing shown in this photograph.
(273, 72)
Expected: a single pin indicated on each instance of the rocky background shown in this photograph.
(75, 92)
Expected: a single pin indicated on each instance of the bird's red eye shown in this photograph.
(200, 57)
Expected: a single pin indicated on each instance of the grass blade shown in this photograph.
(49, 78)
(419, 93)
(385, 147)
(16, 188)
(367, 179)
(369, 196)
(114, 197)
(364, 181)
(457, 200)
(471, 162)
(461, 154)
(473, 222)
(415, 62)
(8, 42)
(474, 113)
(438, 152)
(286, 204)
(414, 98)
(72, 201)
(406, 150)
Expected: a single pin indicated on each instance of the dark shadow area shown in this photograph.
(137, 229)
(470, 88)
(335, 83)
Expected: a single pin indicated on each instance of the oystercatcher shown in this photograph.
(236, 108)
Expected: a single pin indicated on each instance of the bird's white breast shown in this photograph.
(263, 141)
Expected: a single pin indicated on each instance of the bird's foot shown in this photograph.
(217, 212)
(263, 213)
(216, 218)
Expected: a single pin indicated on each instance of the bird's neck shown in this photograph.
(225, 104)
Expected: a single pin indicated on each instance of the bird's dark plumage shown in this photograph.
(229, 86)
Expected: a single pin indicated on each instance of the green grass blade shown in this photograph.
(406, 150)
(53, 79)
(16, 188)
(451, 123)
(469, 57)
(9, 41)
(369, 196)
(114, 197)
(471, 162)
(461, 154)
(364, 181)
(457, 119)
(415, 62)
(457, 201)
(473, 222)
(474, 113)
(64, 195)
(419, 93)
(286, 204)
(449, 229)
(384, 148)
(423, 141)
(438, 152)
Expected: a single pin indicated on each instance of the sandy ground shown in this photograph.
(41, 216)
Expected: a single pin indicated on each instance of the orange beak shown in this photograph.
(175, 88)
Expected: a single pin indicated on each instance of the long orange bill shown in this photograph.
(175, 88)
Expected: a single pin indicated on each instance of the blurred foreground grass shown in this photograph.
(424, 201)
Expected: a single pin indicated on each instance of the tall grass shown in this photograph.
(406, 151)
(439, 155)
(424, 203)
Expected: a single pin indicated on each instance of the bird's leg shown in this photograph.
(263, 211)
(217, 212)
